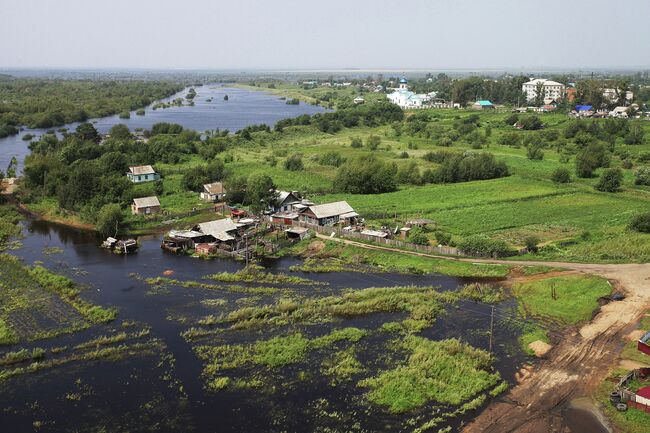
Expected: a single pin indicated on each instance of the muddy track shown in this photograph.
(577, 364)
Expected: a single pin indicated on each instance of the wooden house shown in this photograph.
(145, 206)
(329, 214)
(213, 192)
(142, 173)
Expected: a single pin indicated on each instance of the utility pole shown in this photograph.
(491, 329)
(246, 249)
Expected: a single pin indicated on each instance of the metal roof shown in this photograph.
(218, 228)
(142, 169)
(484, 102)
(327, 210)
(214, 188)
(146, 202)
(374, 233)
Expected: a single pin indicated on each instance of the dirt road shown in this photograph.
(575, 366)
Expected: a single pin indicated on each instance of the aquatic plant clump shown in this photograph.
(446, 372)
(254, 274)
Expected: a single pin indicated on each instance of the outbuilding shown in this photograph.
(145, 206)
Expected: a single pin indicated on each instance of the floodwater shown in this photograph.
(164, 390)
(210, 112)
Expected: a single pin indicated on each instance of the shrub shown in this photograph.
(109, 219)
(593, 156)
(404, 155)
(642, 176)
(561, 175)
(610, 180)
(531, 243)
(511, 120)
(480, 245)
(332, 158)
(409, 174)
(641, 223)
(531, 123)
(534, 153)
(627, 164)
(418, 236)
(294, 163)
(366, 175)
(510, 139)
(355, 142)
(442, 237)
(373, 141)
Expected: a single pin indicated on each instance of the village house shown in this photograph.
(286, 201)
(551, 89)
(223, 230)
(329, 214)
(213, 192)
(483, 105)
(619, 112)
(145, 206)
(142, 173)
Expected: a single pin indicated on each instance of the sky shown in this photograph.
(331, 34)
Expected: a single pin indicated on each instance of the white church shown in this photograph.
(403, 97)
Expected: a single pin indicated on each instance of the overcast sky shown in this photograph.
(331, 34)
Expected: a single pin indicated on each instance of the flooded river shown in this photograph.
(164, 390)
(209, 112)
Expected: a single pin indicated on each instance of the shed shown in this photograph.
(222, 230)
(297, 233)
(374, 234)
(483, 105)
(145, 206)
(205, 249)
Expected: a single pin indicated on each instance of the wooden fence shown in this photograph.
(395, 243)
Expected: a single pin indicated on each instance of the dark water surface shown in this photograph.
(165, 389)
(243, 108)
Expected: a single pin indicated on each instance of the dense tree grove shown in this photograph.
(464, 167)
(366, 175)
(46, 103)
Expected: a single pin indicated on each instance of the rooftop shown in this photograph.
(331, 209)
(146, 202)
(218, 228)
(214, 188)
(544, 81)
(142, 169)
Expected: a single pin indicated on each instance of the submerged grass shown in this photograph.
(163, 281)
(446, 372)
(568, 300)
(254, 274)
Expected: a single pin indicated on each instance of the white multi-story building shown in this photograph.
(552, 89)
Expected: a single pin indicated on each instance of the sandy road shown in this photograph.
(575, 366)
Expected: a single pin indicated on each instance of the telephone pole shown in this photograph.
(491, 329)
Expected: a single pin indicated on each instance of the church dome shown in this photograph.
(403, 81)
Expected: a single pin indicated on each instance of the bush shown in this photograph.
(418, 236)
(534, 153)
(442, 237)
(109, 219)
(610, 180)
(641, 223)
(531, 243)
(294, 163)
(480, 245)
(125, 115)
(404, 155)
(331, 158)
(409, 174)
(561, 175)
(511, 120)
(531, 123)
(595, 155)
(373, 141)
(642, 176)
(366, 175)
(355, 142)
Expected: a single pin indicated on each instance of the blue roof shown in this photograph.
(403, 80)
(484, 102)
(584, 108)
